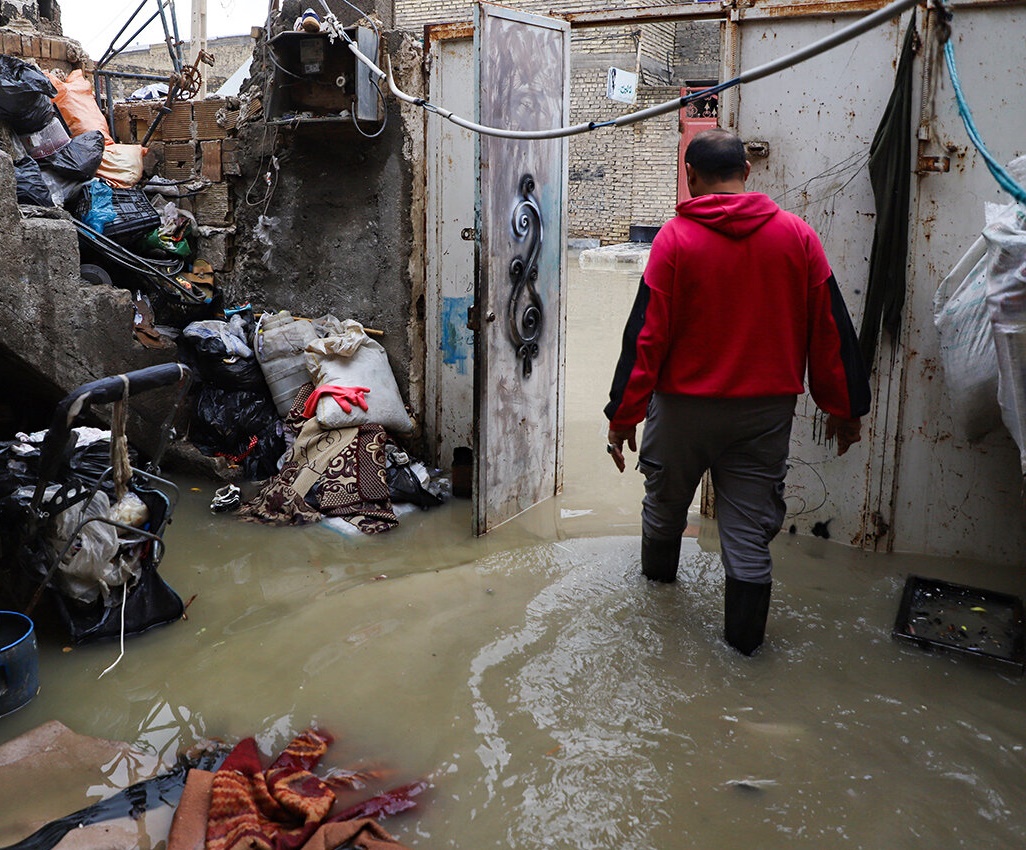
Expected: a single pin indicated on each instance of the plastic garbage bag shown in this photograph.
(78, 159)
(101, 206)
(404, 484)
(25, 95)
(240, 425)
(1006, 300)
(219, 359)
(30, 185)
(64, 190)
(75, 100)
(234, 343)
(87, 569)
(967, 351)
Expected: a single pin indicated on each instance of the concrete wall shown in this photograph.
(230, 52)
(56, 332)
(334, 230)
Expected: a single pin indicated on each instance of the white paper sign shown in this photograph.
(622, 85)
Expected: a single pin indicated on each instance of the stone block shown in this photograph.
(230, 158)
(212, 206)
(177, 124)
(12, 43)
(214, 246)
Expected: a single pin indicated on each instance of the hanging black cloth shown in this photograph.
(890, 173)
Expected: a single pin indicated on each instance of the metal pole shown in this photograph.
(198, 40)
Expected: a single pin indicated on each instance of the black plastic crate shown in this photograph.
(135, 216)
(968, 620)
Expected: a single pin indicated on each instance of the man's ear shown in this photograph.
(748, 169)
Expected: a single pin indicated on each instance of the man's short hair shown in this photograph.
(717, 153)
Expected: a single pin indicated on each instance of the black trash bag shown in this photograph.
(212, 363)
(79, 158)
(30, 185)
(403, 483)
(240, 425)
(26, 95)
(62, 188)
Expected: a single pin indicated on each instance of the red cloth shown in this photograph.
(276, 809)
(284, 807)
(738, 298)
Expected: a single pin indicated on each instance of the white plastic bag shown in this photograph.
(1006, 300)
(967, 351)
(87, 564)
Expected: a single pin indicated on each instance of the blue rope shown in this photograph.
(1003, 178)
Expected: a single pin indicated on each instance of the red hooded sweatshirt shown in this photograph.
(737, 301)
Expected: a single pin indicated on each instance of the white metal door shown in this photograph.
(449, 371)
(523, 73)
(911, 485)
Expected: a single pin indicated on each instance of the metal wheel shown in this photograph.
(189, 82)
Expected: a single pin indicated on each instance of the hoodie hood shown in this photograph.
(735, 216)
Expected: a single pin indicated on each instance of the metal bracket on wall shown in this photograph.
(525, 321)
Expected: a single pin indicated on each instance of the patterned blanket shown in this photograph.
(337, 473)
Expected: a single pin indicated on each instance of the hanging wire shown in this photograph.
(842, 35)
(1004, 179)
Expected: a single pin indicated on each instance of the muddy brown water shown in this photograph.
(554, 697)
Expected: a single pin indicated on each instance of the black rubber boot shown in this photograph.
(745, 609)
(659, 559)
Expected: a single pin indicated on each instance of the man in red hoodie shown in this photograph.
(737, 303)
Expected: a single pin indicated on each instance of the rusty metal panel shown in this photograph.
(912, 485)
(817, 121)
(523, 84)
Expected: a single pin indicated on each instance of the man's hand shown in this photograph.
(614, 445)
(847, 431)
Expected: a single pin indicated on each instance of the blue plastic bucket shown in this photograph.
(19, 661)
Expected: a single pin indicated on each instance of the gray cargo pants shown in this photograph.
(744, 443)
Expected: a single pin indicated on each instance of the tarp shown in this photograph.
(890, 173)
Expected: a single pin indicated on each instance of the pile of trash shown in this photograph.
(81, 524)
(223, 798)
(65, 157)
(311, 408)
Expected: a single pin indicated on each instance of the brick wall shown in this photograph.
(619, 176)
(624, 176)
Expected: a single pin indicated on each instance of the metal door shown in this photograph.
(449, 371)
(523, 73)
(696, 116)
(913, 484)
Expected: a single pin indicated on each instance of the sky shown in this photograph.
(82, 20)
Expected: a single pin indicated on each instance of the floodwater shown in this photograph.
(554, 697)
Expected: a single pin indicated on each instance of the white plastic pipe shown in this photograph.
(829, 42)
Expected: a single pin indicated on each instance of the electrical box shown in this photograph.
(319, 80)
